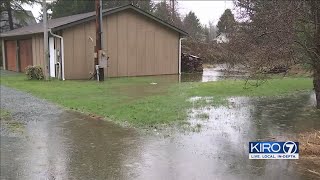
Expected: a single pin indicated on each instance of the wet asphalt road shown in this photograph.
(57, 144)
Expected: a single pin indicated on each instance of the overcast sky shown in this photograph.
(205, 10)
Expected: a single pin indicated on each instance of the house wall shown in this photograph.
(34, 57)
(17, 53)
(25, 54)
(56, 53)
(11, 55)
(78, 50)
(135, 44)
(37, 50)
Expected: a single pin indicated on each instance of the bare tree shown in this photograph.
(277, 33)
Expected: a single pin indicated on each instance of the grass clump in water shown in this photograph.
(202, 116)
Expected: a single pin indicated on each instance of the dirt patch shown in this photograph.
(299, 69)
(309, 143)
(309, 151)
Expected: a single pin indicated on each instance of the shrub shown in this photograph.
(34, 72)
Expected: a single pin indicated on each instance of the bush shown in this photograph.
(34, 72)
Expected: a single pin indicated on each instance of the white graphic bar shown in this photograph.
(273, 156)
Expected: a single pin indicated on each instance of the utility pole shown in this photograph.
(98, 47)
(101, 25)
(45, 42)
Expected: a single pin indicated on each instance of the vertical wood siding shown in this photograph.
(111, 37)
(79, 42)
(136, 46)
(11, 57)
(25, 53)
(122, 28)
(37, 50)
(145, 47)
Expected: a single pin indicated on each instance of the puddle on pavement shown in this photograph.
(78, 147)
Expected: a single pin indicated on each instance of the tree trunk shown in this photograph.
(9, 11)
(315, 5)
(316, 84)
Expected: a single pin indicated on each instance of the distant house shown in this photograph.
(136, 42)
(222, 38)
(17, 22)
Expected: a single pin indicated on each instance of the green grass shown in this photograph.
(272, 87)
(136, 101)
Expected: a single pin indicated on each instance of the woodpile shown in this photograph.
(277, 69)
(190, 63)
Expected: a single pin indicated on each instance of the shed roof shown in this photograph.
(64, 22)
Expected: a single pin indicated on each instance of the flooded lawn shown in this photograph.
(217, 73)
(78, 147)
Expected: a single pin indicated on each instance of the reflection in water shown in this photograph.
(259, 119)
(213, 74)
(77, 147)
(40, 153)
(209, 74)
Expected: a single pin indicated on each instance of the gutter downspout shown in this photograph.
(180, 39)
(3, 55)
(62, 52)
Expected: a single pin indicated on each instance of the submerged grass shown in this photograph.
(136, 101)
(203, 116)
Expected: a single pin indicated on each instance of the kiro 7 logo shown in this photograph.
(290, 147)
(274, 150)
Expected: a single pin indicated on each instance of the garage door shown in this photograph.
(25, 53)
(11, 55)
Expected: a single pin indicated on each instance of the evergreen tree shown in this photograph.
(13, 14)
(212, 30)
(226, 23)
(192, 25)
(165, 12)
(206, 32)
(61, 8)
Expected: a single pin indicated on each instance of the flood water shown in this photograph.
(78, 147)
(219, 72)
(215, 146)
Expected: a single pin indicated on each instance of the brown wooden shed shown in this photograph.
(136, 42)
